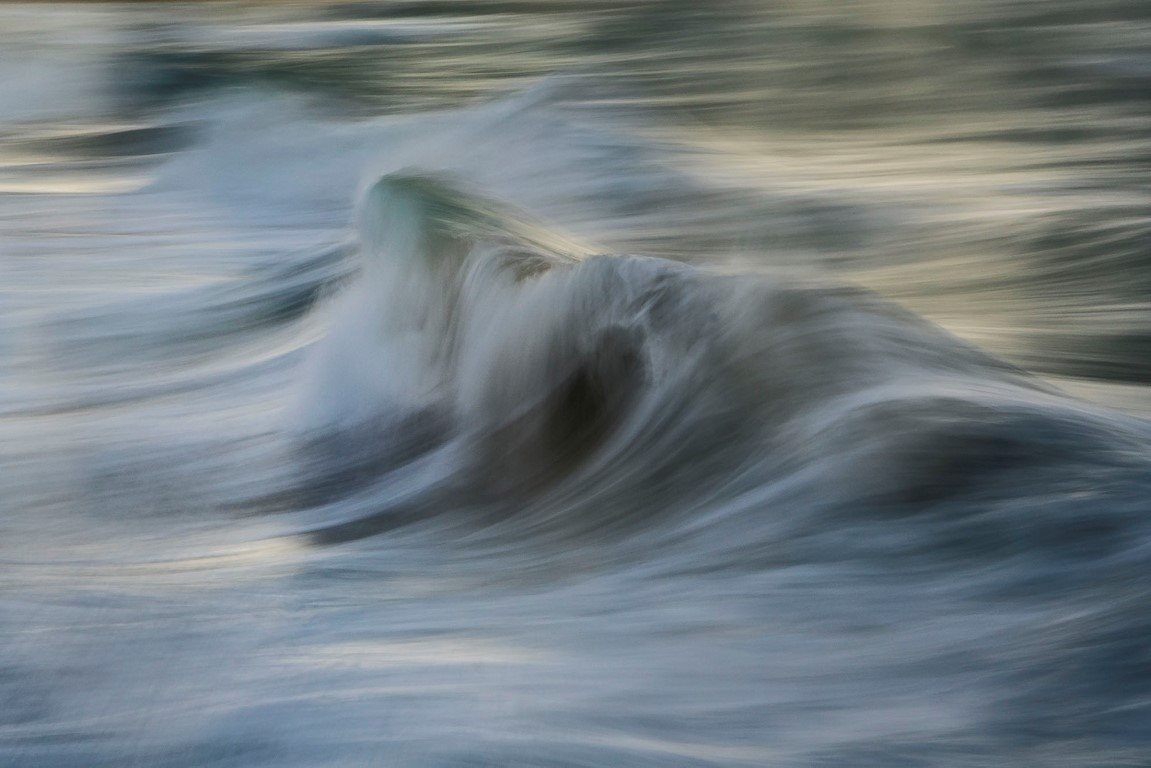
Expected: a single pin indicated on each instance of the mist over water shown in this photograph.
(575, 384)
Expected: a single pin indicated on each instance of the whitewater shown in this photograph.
(383, 387)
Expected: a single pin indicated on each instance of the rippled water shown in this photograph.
(337, 428)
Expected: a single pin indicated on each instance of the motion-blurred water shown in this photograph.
(845, 468)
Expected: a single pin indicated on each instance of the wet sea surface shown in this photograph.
(705, 384)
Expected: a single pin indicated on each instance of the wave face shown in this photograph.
(549, 384)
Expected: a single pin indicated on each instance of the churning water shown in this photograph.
(576, 384)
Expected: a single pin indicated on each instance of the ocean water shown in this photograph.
(575, 384)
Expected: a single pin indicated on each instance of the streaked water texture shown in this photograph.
(575, 384)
